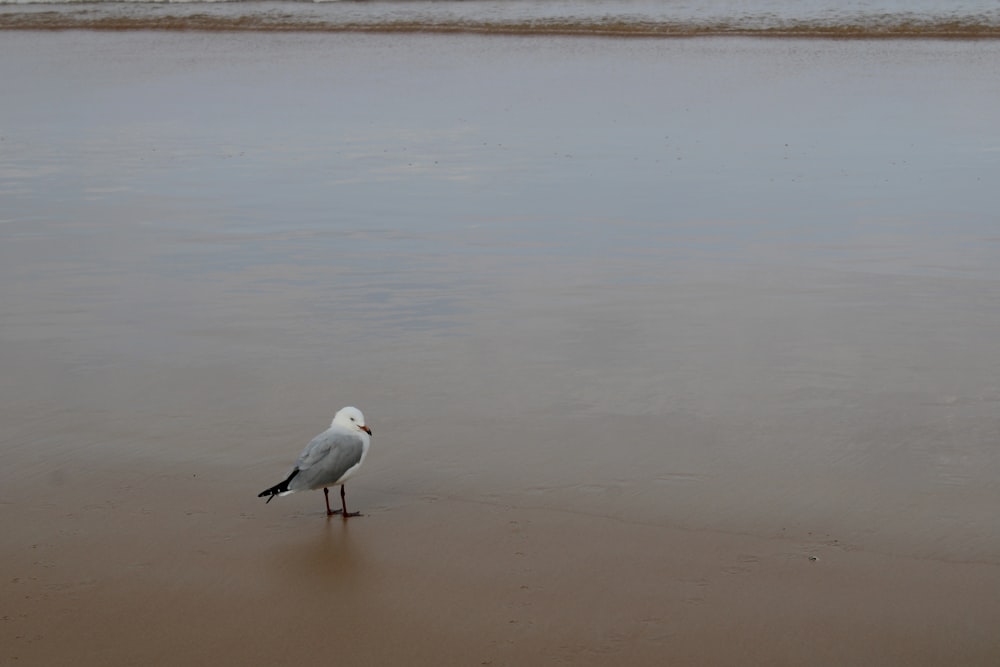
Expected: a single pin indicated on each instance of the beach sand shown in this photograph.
(675, 352)
(154, 569)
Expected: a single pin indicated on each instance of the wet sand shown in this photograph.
(674, 353)
(154, 569)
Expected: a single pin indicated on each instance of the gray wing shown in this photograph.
(325, 460)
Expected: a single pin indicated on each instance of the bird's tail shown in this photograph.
(278, 489)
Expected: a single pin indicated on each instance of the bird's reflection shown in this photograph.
(326, 554)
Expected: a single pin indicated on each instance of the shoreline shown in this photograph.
(51, 20)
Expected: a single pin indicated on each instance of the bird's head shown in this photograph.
(351, 418)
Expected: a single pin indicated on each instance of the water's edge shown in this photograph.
(97, 17)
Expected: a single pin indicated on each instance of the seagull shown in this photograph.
(330, 458)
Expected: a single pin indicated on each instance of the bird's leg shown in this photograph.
(343, 503)
(326, 496)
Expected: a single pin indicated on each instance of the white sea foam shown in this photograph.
(870, 18)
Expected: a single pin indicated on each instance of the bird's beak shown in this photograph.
(366, 430)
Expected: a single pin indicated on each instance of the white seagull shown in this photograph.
(330, 458)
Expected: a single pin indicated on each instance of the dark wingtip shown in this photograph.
(281, 487)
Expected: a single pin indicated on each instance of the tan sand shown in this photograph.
(731, 401)
(169, 570)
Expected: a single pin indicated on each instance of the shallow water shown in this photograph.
(741, 285)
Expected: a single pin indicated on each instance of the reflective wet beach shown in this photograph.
(741, 287)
